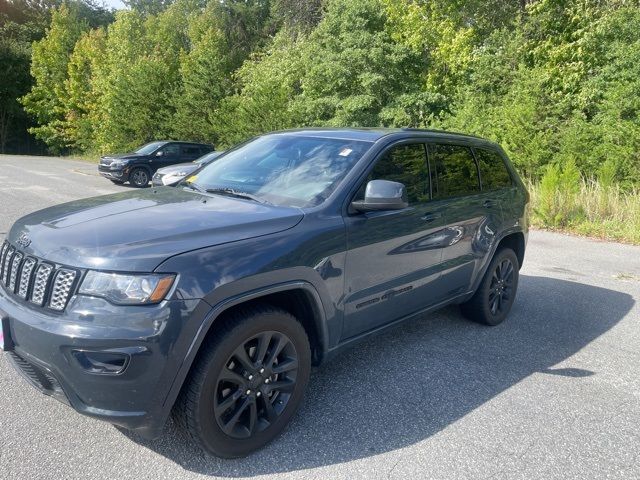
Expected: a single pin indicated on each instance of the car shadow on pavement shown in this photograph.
(407, 384)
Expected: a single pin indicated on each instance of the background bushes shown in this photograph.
(556, 82)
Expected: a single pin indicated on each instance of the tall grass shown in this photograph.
(564, 201)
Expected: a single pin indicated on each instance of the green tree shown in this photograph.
(118, 80)
(268, 85)
(297, 16)
(352, 69)
(49, 63)
(148, 7)
(82, 98)
(14, 63)
(206, 79)
(221, 39)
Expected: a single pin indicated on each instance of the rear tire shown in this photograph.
(246, 383)
(494, 297)
(139, 177)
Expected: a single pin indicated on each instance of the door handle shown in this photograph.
(430, 217)
(488, 204)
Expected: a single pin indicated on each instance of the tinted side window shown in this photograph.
(190, 150)
(406, 164)
(493, 171)
(455, 172)
(171, 149)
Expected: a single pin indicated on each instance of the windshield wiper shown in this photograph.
(235, 193)
(194, 186)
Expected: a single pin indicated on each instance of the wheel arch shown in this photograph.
(514, 239)
(516, 242)
(300, 297)
(143, 167)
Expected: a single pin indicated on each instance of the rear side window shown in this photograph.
(454, 171)
(190, 150)
(493, 171)
(406, 164)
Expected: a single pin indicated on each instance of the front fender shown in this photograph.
(304, 257)
(216, 312)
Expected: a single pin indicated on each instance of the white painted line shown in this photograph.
(85, 173)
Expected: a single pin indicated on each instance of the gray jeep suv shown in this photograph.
(212, 300)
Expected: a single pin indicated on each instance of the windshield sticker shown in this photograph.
(345, 152)
(192, 179)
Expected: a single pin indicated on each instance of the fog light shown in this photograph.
(101, 363)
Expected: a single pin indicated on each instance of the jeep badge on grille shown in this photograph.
(23, 240)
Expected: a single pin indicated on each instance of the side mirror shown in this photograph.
(159, 153)
(382, 195)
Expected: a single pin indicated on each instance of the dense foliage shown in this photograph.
(556, 82)
(21, 23)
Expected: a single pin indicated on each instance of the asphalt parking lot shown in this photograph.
(554, 392)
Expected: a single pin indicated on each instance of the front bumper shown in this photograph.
(153, 341)
(120, 175)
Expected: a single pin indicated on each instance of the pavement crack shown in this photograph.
(393, 467)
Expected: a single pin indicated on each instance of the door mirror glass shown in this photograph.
(382, 195)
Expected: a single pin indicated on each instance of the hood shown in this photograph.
(136, 231)
(107, 159)
(180, 167)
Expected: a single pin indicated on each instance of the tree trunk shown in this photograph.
(5, 119)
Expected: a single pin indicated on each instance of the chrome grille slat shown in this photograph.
(40, 284)
(13, 274)
(62, 283)
(5, 265)
(5, 247)
(25, 276)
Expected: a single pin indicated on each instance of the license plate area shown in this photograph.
(5, 336)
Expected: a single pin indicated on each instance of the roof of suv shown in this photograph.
(164, 142)
(373, 134)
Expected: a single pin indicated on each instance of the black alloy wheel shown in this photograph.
(139, 177)
(255, 386)
(247, 381)
(492, 301)
(501, 287)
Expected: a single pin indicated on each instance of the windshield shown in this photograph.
(207, 158)
(149, 148)
(283, 169)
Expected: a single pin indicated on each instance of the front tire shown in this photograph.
(246, 383)
(492, 301)
(139, 177)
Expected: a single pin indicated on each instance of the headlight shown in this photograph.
(172, 178)
(127, 289)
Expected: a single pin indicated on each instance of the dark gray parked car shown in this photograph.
(213, 299)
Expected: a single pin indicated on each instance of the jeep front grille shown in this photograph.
(32, 279)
